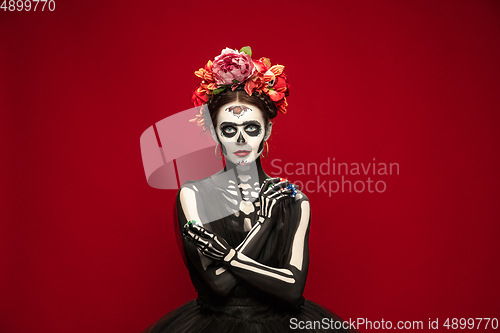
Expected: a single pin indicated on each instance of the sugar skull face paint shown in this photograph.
(241, 132)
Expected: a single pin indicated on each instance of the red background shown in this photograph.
(87, 246)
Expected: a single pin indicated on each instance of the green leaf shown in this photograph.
(235, 81)
(247, 50)
(218, 90)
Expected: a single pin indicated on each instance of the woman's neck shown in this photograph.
(253, 170)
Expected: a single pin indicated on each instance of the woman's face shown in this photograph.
(241, 131)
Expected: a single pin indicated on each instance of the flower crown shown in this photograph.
(233, 68)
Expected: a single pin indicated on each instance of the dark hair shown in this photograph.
(262, 101)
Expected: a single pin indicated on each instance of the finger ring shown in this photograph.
(293, 188)
(281, 180)
(188, 223)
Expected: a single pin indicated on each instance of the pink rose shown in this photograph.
(232, 65)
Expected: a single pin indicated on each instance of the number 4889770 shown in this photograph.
(27, 5)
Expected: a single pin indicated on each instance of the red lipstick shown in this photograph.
(242, 153)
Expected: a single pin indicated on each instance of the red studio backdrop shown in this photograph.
(87, 246)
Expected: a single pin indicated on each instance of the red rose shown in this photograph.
(199, 96)
(280, 88)
(281, 84)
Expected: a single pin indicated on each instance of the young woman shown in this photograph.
(244, 234)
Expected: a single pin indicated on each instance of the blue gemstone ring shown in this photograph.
(293, 188)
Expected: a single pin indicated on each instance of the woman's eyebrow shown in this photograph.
(248, 122)
(251, 122)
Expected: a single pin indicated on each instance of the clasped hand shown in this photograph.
(272, 192)
(211, 245)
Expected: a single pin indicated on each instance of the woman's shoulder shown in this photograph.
(301, 197)
(197, 185)
(300, 202)
(192, 185)
(196, 189)
(187, 192)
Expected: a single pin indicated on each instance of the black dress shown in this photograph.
(245, 309)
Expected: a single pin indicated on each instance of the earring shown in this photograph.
(216, 152)
(266, 146)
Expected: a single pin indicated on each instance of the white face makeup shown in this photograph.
(241, 131)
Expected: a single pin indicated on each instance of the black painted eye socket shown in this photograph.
(229, 131)
(252, 130)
